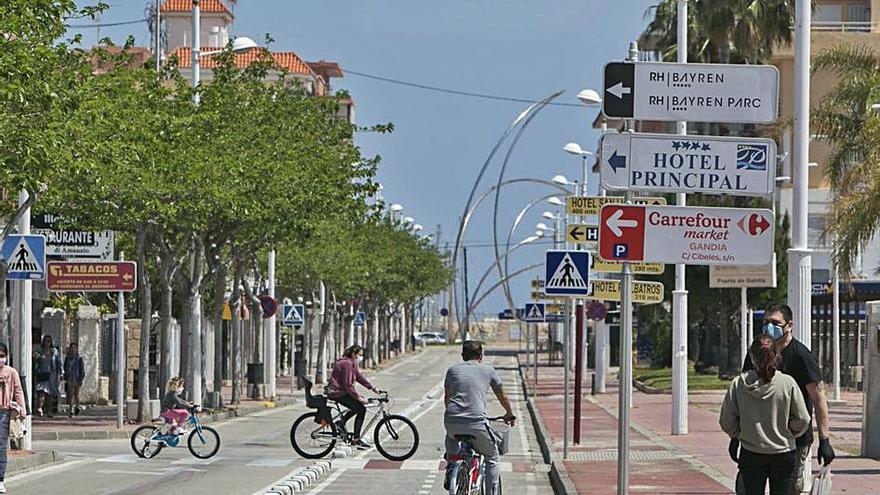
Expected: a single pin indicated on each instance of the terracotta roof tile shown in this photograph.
(288, 60)
(204, 5)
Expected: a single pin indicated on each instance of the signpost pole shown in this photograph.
(679, 295)
(120, 353)
(835, 329)
(626, 340)
(537, 328)
(271, 329)
(743, 324)
(799, 256)
(579, 369)
(566, 329)
(21, 327)
(601, 352)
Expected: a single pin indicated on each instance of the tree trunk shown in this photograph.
(235, 303)
(374, 338)
(185, 320)
(321, 359)
(217, 318)
(166, 335)
(146, 307)
(4, 322)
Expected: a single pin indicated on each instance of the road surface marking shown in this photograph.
(330, 479)
(278, 462)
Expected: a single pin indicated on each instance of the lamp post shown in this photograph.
(238, 45)
(575, 149)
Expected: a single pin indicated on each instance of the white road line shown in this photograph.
(136, 473)
(121, 459)
(40, 473)
(269, 462)
(330, 479)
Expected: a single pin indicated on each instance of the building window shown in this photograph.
(859, 13)
(815, 229)
(828, 13)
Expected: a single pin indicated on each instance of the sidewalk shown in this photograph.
(696, 463)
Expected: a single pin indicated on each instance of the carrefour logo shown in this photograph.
(753, 224)
(751, 156)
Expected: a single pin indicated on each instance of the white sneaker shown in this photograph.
(2, 487)
(181, 431)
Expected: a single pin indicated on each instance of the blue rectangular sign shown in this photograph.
(567, 273)
(25, 257)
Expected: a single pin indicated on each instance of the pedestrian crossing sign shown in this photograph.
(293, 315)
(534, 313)
(25, 257)
(567, 273)
(361, 319)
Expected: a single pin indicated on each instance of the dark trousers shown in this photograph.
(755, 469)
(356, 407)
(5, 416)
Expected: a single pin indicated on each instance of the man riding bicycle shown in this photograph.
(466, 386)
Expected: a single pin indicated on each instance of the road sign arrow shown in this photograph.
(616, 161)
(577, 233)
(615, 223)
(619, 90)
(126, 277)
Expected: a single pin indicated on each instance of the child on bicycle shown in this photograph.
(175, 410)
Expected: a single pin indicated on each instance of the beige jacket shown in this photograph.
(766, 417)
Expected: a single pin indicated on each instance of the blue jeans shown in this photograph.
(4, 441)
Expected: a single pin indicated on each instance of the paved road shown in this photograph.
(256, 451)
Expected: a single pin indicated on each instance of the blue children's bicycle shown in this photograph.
(203, 441)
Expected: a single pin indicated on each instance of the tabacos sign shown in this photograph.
(709, 165)
(689, 235)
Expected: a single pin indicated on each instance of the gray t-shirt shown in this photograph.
(468, 383)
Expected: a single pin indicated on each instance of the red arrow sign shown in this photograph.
(622, 233)
(89, 276)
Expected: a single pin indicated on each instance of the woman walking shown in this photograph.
(12, 405)
(765, 410)
(74, 374)
(47, 371)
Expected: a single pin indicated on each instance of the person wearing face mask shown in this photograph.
(341, 389)
(74, 374)
(175, 410)
(11, 404)
(798, 362)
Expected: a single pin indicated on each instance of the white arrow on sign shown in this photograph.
(615, 223)
(619, 90)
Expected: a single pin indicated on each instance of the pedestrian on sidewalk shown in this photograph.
(12, 405)
(47, 375)
(802, 365)
(74, 374)
(341, 389)
(765, 412)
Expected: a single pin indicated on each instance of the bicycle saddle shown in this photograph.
(464, 438)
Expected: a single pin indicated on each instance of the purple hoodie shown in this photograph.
(345, 373)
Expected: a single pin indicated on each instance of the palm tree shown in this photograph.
(846, 119)
(724, 31)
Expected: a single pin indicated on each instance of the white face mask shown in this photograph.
(180, 390)
(360, 359)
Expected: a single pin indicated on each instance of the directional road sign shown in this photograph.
(537, 283)
(742, 276)
(293, 315)
(690, 164)
(577, 233)
(73, 243)
(534, 312)
(687, 235)
(568, 273)
(590, 205)
(25, 257)
(642, 293)
(360, 319)
(694, 92)
(92, 276)
(269, 305)
(603, 266)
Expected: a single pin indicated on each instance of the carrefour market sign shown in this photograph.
(688, 235)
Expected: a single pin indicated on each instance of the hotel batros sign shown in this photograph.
(693, 92)
(688, 164)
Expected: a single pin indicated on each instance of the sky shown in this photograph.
(515, 48)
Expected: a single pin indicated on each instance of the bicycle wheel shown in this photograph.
(462, 483)
(141, 444)
(203, 442)
(312, 440)
(396, 437)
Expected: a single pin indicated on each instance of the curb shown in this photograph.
(559, 479)
(298, 481)
(18, 464)
(122, 434)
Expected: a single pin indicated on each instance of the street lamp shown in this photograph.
(589, 97)
(542, 227)
(417, 227)
(575, 149)
(556, 201)
(561, 180)
(549, 215)
(408, 220)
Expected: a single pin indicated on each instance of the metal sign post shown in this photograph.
(120, 354)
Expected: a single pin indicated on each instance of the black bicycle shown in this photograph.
(314, 434)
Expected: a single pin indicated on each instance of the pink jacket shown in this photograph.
(342, 380)
(10, 390)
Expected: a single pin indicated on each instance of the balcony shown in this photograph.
(843, 26)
